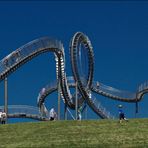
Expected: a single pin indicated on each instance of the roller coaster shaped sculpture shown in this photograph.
(85, 85)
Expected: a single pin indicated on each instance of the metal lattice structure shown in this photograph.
(24, 111)
(86, 84)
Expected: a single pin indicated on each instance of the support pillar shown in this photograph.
(59, 99)
(6, 97)
(86, 112)
(136, 109)
(76, 101)
(65, 111)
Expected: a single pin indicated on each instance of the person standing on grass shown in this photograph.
(121, 114)
(52, 114)
(1, 116)
(3, 119)
(80, 113)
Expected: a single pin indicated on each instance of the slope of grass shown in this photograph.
(92, 133)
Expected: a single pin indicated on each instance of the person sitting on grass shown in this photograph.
(121, 114)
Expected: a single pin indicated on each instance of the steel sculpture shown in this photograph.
(86, 84)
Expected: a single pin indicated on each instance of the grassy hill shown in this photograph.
(92, 133)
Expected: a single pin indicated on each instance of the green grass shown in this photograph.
(92, 133)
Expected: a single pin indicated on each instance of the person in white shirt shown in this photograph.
(3, 119)
(1, 116)
(52, 114)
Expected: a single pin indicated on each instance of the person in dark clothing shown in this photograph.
(121, 114)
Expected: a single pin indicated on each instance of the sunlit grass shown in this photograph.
(93, 133)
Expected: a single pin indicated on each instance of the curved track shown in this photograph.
(24, 111)
(32, 49)
(50, 88)
(110, 92)
(29, 51)
(78, 39)
(99, 88)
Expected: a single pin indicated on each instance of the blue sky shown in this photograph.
(118, 32)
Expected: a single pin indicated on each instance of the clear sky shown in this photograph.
(118, 32)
